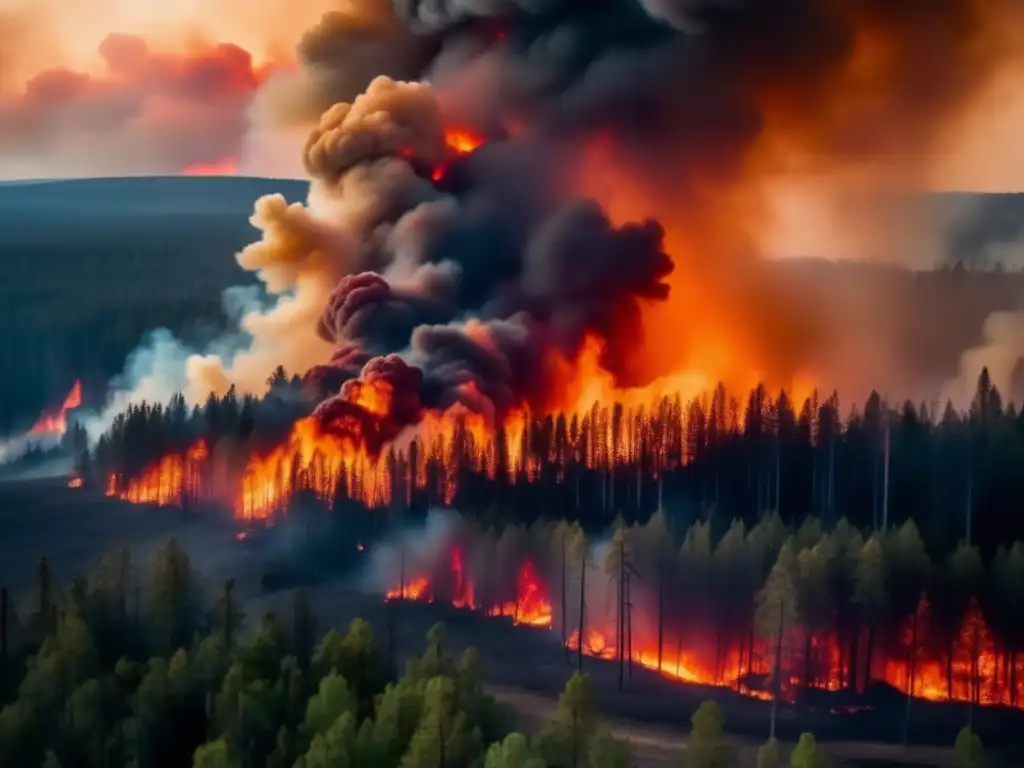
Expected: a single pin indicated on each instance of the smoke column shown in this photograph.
(609, 231)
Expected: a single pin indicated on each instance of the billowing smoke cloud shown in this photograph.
(625, 192)
(146, 113)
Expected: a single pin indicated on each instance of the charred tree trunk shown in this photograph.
(851, 677)
(629, 628)
(808, 666)
(401, 571)
(777, 674)
(679, 651)
(739, 666)
(949, 669)
(975, 675)
(750, 652)
(621, 634)
(912, 675)
(565, 643)
(389, 611)
(583, 612)
(869, 654)
(661, 608)
(1012, 677)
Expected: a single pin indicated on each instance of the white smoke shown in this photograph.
(414, 551)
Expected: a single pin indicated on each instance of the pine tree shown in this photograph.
(768, 755)
(967, 750)
(706, 747)
(807, 754)
(564, 740)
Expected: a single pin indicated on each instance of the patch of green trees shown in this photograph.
(133, 668)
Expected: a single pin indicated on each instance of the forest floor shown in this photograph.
(524, 667)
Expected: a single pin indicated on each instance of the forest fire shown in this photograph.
(973, 670)
(54, 422)
(531, 605)
(574, 320)
(174, 479)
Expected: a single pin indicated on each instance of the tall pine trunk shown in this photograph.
(949, 669)
(912, 674)
(777, 675)
(1013, 677)
(629, 628)
(851, 677)
(870, 651)
(807, 660)
(583, 609)
(661, 606)
(565, 644)
(621, 639)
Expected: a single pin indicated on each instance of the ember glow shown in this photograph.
(174, 479)
(54, 422)
(810, 661)
(531, 605)
(226, 167)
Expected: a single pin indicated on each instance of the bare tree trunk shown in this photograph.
(661, 606)
(870, 654)
(583, 610)
(621, 634)
(750, 652)
(1013, 677)
(629, 627)
(841, 646)
(975, 675)
(565, 644)
(777, 676)
(401, 570)
(679, 651)
(949, 670)
(854, 646)
(912, 675)
(807, 660)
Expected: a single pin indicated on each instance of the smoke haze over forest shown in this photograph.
(676, 144)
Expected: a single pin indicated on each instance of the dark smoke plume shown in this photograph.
(485, 268)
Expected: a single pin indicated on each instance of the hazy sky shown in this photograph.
(987, 153)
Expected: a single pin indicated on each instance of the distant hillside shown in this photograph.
(988, 228)
(87, 267)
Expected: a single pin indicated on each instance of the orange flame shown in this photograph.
(55, 422)
(461, 141)
(172, 480)
(970, 668)
(531, 606)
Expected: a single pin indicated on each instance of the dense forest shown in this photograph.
(881, 547)
(133, 667)
(956, 475)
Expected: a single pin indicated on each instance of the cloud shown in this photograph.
(147, 113)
